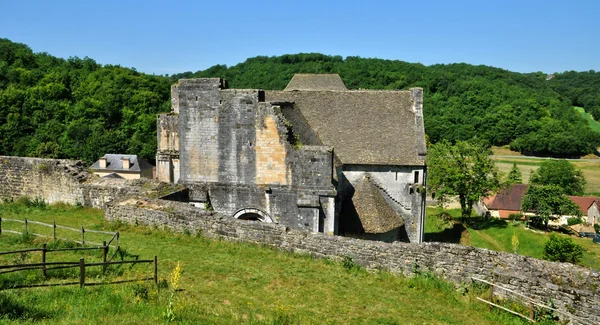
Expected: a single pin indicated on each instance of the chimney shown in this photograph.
(125, 163)
(102, 162)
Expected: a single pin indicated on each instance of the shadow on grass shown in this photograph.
(481, 223)
(448, 235)
(14, 310)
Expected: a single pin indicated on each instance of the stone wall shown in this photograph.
(570, 287)
(54, 180)
(59, 180)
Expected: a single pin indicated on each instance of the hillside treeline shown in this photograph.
(76, 108)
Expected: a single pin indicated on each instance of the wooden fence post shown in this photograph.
(25, 226)
(531, 313)
(54, 229)
(118, 240)
(0, 226)
(44, 261)
(81, 272)
(82, 236)
(155, 270)
(491, 295)
(104, 253)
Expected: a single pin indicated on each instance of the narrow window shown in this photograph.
(396, 175)
(416, 177)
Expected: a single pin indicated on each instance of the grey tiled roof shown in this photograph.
(113, 163)
(369, 127)
(376, 215)
(316, 82)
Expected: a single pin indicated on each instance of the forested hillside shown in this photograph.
(76, 108)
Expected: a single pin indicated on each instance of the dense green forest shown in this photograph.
(77, 108)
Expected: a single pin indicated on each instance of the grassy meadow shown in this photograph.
(589, 166)
(594, 125)
(496, 234)
(227, 283)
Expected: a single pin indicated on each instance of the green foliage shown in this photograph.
(562, 174)
(75, 108)
(464, 169)
(562, 249)
(547, 201)
(574, 221)
(597, 228)
(514, 176)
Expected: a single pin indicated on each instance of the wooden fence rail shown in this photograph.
(82, 271)
(530, 301)
(54, 226)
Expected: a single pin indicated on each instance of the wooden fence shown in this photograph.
(529, 301)
(54, 226)
(46, 266)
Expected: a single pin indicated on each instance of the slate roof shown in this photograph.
(114, 164)
(376, 215)
(584, 202)
(365, 127)
(316, 82)
(507, 199)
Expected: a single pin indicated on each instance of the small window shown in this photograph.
(416, 177)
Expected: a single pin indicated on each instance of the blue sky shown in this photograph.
(165, 37)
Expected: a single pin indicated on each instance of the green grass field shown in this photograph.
(232, 283)
(497, 236)
(590, 168)
(593, 123)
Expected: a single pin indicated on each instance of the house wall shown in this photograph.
(396, 183)
(593, 215)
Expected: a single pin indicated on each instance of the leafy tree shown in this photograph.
(547, 201)
(514, 176)
(562, 174)
(562, 249)
(464, 169)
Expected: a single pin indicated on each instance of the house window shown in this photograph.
(416, 177)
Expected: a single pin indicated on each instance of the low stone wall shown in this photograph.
(54, 180)
(60, 180)
(572, 288)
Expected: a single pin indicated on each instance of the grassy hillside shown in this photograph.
(497, 235)
(594, 125)
(232, 283)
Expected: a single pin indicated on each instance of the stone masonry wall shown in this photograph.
(570, 287)
(53, 180)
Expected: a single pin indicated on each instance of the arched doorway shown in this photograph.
(253, 215)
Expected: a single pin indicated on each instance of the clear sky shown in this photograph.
(165, 37)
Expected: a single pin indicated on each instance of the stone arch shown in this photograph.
(252, 214)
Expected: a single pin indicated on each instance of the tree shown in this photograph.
(562, 174)
(464, 169)
(562, 249)
(514, 176)
(547, 201)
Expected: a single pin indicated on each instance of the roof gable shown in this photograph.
(584, 202)
(508, 199)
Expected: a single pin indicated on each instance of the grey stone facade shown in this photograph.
(573, 289)
(271, 152)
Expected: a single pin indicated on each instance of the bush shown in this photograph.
(574, 221)
(515, 216)
(597, 228)
(562, 249)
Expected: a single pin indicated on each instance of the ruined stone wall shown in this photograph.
(571, 288)
(54, 180)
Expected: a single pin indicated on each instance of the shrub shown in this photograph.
(515, 216)
(562, 249)
(574, 221)
(597, 228)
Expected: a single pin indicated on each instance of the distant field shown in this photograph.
(593, 123)
(591, 169)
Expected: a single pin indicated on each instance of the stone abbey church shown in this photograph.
(315, 156)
